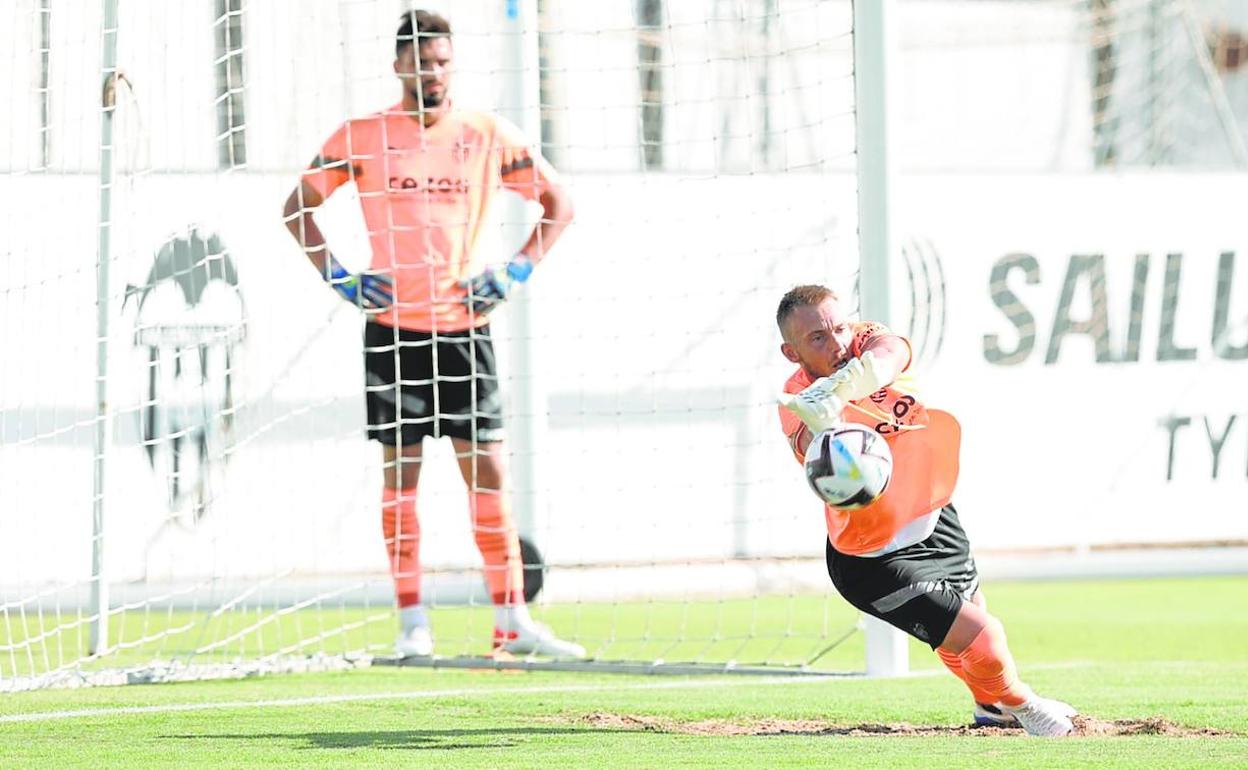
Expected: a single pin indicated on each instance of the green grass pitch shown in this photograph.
(1176, 649)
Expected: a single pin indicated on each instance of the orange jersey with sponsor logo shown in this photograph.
(425, 192)
(924, 443)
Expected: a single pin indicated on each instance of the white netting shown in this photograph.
(1071, 85)
(709, 149)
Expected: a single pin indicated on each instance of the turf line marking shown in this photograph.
(461, 692)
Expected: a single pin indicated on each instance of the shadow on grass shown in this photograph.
(486, 738)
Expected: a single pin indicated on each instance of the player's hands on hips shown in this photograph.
(490, 287)
(367, 290)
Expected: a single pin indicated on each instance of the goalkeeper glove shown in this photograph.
(820, 404)
(490, 287)
(371, 291)
(860, 377)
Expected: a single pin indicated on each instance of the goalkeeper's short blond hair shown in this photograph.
(801, 296)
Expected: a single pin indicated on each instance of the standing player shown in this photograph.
(904, 558)
(427, 172)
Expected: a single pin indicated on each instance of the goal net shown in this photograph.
(186, 489)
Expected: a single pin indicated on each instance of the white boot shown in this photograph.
(536, 639)
(416, 641)
(415, 635)
(1043, 716)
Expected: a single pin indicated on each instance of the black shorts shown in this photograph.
(918, 589)
(447, 385)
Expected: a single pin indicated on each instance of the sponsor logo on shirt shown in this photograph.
(431, 185)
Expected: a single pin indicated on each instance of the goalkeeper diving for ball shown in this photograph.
(903, 558)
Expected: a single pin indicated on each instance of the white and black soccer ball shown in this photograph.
(849, 466)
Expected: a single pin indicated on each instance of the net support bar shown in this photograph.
(608, 667)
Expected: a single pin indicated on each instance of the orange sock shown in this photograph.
(989, 669)
(499, 543)
(402, 531)
(954, 664)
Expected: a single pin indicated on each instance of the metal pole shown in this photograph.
(873, 140)
(45, 90)
(522, 83)
(98, 641)
(888, 652)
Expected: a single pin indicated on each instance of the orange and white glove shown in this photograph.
(860, 377)
(820, 404)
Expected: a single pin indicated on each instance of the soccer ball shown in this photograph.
(849, 466)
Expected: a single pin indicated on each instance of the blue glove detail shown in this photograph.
(371, 291)
(488, 289)
(520, 268)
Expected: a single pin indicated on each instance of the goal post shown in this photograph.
(520, 44)
(887, 648)
(98, 641)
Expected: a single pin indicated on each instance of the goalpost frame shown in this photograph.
(525, 111)
(98, 637)
(874, 45)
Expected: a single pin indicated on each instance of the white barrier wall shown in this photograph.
(651, 339)
(1096, 350)
(1095, 410)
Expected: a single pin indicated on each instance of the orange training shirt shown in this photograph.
(425, 192)
(925, 456)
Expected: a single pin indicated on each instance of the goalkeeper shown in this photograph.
(904, 558)
(427, 171)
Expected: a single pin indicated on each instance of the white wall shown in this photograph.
(1074, 452)
(656, 329)
(654, 335)
(659, 357)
